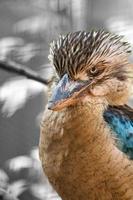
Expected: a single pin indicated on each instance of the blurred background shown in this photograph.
(26, 29)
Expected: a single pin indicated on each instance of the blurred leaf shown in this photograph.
(15, 92)
(43, 24)
(3, 179)
(20, 162)
(2, 192)
(8, 44)
(4, 195)
(17, 188)
(32, 25)
(9, 196)
(16, 49)
(27, 52)
(41, 191)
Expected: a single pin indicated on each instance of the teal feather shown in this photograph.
(120, 120)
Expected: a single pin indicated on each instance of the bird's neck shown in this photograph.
(86, 120)
(79, 130)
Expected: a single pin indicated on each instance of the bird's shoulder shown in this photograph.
(120, 120)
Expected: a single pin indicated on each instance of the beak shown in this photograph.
(65, 91)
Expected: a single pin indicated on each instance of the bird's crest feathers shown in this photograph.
(77, 51)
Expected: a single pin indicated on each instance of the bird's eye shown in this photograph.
(93, 70)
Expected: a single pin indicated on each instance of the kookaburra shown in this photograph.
(86, 142)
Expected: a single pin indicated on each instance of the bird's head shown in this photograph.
(89, 65)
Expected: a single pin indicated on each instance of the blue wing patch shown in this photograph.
(120, 120)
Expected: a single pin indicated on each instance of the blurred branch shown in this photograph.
(13, 67)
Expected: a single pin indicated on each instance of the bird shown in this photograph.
(86, 137)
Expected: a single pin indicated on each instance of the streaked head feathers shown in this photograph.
(76, 52)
